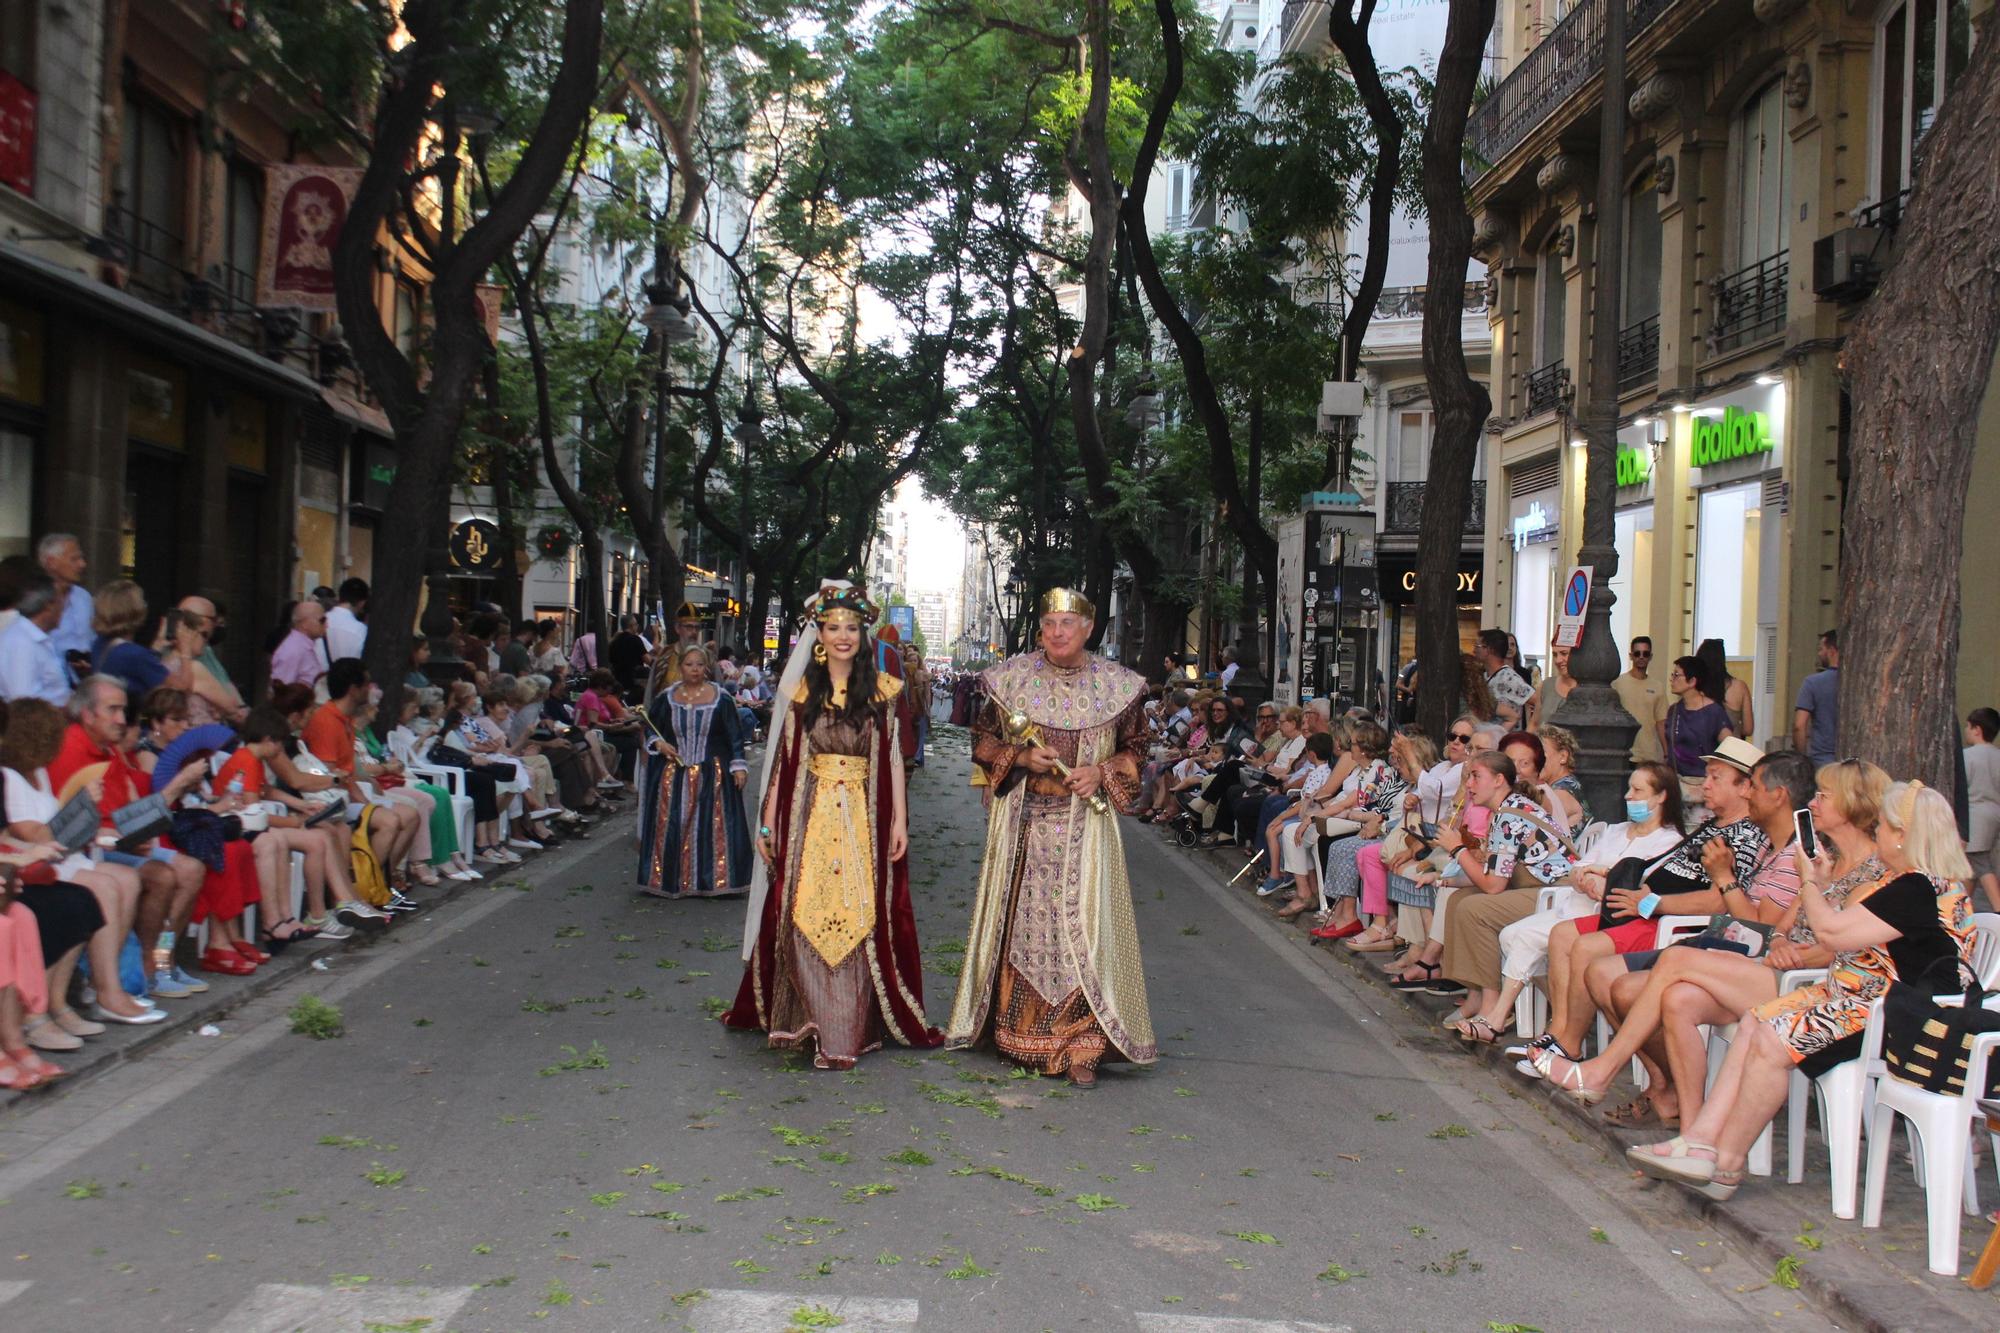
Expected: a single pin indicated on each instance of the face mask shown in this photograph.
(1638, 811)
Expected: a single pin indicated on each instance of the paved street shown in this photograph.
(533, 1121)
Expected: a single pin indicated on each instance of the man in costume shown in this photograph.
(1052, 966)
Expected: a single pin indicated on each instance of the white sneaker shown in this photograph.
(466, 876)
(525, 844)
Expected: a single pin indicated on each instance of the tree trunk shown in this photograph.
(1460, 401)
(1918, 361)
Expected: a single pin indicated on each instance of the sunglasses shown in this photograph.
(1464, 737)
(1642, 652)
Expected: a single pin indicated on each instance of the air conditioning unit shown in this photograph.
(1340, 398)
(1845, 263)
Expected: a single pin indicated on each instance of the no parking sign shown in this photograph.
(1575, 605)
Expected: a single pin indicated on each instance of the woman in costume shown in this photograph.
(694, 839)
(830, 944)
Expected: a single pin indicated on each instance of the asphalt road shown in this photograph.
(534, 1122)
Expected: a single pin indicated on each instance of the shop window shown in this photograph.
(1534, 598)
(17, 475)
(1921, 49)
(1757, 178)
(1729, 547)
(1632, 613)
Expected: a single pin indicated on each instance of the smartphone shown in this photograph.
(1802, 824)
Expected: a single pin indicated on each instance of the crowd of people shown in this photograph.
(1471, 866)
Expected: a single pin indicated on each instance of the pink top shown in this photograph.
(297, 660)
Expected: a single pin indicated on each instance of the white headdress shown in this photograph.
(833, 595)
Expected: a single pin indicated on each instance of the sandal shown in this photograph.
(1429, 977)
(1371, 940)
(1480, 1032)
(33, 1064)
(1678, 1163)
(1290, 910)
(17, 1078)
(1641, 1113)
(1571, 1083)
(299, 933)
(1720, 1186)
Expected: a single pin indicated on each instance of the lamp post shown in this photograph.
(1603, 728)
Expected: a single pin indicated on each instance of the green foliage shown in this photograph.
(315, 1018)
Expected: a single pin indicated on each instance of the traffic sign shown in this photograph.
(1575, 606)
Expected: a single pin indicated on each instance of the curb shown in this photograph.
(227, 994)
(1886, 1311)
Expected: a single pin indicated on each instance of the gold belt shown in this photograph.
(839, 767)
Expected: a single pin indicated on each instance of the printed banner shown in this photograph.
(17, 134)
(304, 208)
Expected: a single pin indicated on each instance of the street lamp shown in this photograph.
(1143, 412)
(667, 314)
(748, 433)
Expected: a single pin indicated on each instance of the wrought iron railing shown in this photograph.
(1546, 388)
(1569, 57)
(1749, 303)
(153, 256)
(1293, 12)
(1639, 353)
(1888, 214)
(1404, 511)
(1408, 302)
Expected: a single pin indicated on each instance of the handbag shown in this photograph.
(1523, 878)
(1930, 1044)
(1629, 873)
(141, 821)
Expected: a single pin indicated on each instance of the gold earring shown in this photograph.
(819, 653)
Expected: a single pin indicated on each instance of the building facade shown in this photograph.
(149, 402)
(1766, 169)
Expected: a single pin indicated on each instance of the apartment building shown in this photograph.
(1766, 170)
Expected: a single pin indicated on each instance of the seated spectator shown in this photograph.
(1339, 779)
(304, 785)
(1559, 790)
(1634, 999)
(24, 989)
(330, 738)
(1652, 827)
(407, 743)
(1225, 786)
(601, 708)
(1918, 920)
(1365, 807)
(486, 734)
(30, 665)
(374, 765)
(230, 884)
(1246, 815)
(1290, 854)
(1430, 801)
(1411, 756)
(1729, 844)
(169, 880)
(75, 903)
(261, 738)
(212, 696)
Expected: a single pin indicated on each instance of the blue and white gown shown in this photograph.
(694, 837)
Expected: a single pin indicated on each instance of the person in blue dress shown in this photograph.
(694, 837)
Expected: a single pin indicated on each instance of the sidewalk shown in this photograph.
(1868, 1278)
(226, 994)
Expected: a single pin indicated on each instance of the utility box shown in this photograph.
(1847, 263)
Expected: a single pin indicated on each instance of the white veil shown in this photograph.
(781, 710)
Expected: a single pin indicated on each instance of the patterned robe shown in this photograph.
(1052, 967)
(694, 838)
(835, 964)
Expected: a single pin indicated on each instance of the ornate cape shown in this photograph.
(895, 961)
(1089, 713)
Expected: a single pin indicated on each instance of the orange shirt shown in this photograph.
(243, 765)
(329, 734)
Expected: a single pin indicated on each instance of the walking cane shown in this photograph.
(1248, 866)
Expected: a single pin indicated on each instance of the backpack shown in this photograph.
(370, 885)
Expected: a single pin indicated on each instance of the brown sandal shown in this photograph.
(1641, 1113)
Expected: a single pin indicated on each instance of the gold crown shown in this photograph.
(852, 599)
(1067, 599)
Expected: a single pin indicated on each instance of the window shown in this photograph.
(1632, 585)
(153, 178)
(17, 43)
(1922, 49)
(1551, 300)
(1413, 444)
(243, 218)
(1728, 552)
(1640, 292)
(1757, 185)
(1177, 198)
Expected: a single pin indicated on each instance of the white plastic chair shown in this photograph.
(1531, 1006)
(1666, 930)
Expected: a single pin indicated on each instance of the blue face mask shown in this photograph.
(1638, 811)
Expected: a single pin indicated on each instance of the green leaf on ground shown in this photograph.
(668, 1186)
(1097, 1203)
(596, 1057)
(557, 1293)
(83, 1189)
(608, 1198)
(909, 1157)
(417, 1325)
(1786, 1274)
(1600, 1235)
(748, 1266)
(381, 1176)
(754, 1192)
(796, 1138)
(888, 1260)
(1336, 1273)
(1385, 1117)
(1254, 1237)
(968, 1269)
(315, 1018)
(814, 1316)
(982, 1102)
(1450, 1132)
(860, 1193)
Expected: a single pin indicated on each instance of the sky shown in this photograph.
(937, 540)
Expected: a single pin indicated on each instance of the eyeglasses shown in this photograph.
(1642, 652)
(1463, 737)
(1266, 717)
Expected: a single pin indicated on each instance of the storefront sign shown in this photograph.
(1635, 466)
(1397, 572)
(475, 546)
(1533, 526)
(17, 134)
(304, 207)
(1736, 434)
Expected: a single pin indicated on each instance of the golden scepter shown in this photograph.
(645, 714)
(1021, 730)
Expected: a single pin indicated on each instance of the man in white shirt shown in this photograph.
(1229, 665)
(1510, 689)
(346, 632)
(30, 666)
(61, 555)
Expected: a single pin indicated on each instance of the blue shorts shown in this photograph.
(164, 855)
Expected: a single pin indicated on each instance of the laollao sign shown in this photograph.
(1635, 466)
(1736, 434)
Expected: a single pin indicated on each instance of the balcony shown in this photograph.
(1887, 215)
(1568, 58)
(1547, 388)
(1297, 14)
(1404, 511)
(1749, 303)
(1408, 302)
(1639, 354)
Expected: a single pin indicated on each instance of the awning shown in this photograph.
(37, 279)
(363, 415)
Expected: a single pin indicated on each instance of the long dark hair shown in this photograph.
(1715, 658)
(860, 688)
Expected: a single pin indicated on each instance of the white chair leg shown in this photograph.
(1842, 1116)
(1971, 1173)
(1795, 1128)
(1946, 1153)
(1759, 1163)
(1879, 1134)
